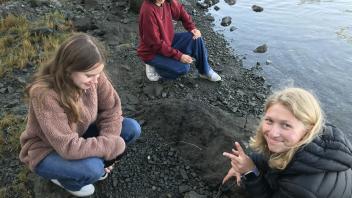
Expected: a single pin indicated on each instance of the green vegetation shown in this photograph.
(11, 127)
(23, 42)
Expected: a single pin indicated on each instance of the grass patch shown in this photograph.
(11, 127)
(23, 41)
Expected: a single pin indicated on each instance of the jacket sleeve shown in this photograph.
(54, 124)
(179, 13)
(284, 187)
(151, 36)
(109, 120)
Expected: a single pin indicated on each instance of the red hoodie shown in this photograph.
(156, 30)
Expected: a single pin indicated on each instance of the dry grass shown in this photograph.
(12, 127)
(21, 44)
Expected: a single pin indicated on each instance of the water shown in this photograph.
(309, 44)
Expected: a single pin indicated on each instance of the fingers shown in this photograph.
(238, 178)
(229, 155)
(228, 176)
(196, 33)
(108, 169)
(186, 59)
(239, 148)
(235, 152)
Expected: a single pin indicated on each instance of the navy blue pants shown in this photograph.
(170, 68)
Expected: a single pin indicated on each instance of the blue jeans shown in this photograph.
(74, 174)
(170, 68)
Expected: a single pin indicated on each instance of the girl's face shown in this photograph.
(281, 129)
(86, 79)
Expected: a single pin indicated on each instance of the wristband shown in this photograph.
(250, 175)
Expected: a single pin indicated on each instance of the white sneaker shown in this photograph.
(152, 75)
(103, 177)
(85, 191)
(212, 76)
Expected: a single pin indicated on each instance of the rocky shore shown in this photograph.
(186, 123)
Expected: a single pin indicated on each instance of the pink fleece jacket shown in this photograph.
(48, 128)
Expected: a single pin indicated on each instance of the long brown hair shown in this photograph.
(78, 53)
(306, 108)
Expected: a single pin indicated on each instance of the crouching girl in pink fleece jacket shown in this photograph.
(75, 129)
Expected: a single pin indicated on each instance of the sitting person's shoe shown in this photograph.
(212, 76)
(85, 191)
(103, 177)
(152, 75)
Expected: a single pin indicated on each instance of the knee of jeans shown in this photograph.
(94, 169)
(136, 129)
(184, 70)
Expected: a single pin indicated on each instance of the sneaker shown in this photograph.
(85, 191)
(212, 76)
(152, 75)
(103, 177)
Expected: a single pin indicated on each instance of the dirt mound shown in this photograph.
(201, 133)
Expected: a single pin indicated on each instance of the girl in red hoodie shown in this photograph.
(168, 54)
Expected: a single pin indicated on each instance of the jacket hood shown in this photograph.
(330, 151)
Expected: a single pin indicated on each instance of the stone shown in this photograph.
(261, 49)
(257, 8)
(226, 21)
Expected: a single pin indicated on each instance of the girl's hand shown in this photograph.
(186, 59)
(240, 161)
(232, 173)
(109, 169)
(196, 33)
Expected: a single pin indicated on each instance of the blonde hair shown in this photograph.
(306, 108)
(78, 53)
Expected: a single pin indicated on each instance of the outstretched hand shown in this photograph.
(232, 173)
(196, 33)
(240, 163)
(186, 59)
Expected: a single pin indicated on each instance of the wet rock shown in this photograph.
(233, 28)
(202, 5)
(208, 2)
(210, 18)
(257, 8)
(261, 49)
(84, 24)
(216, 8)
(226, 21)
(230, 2)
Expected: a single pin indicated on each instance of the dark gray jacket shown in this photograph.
(321, 169)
